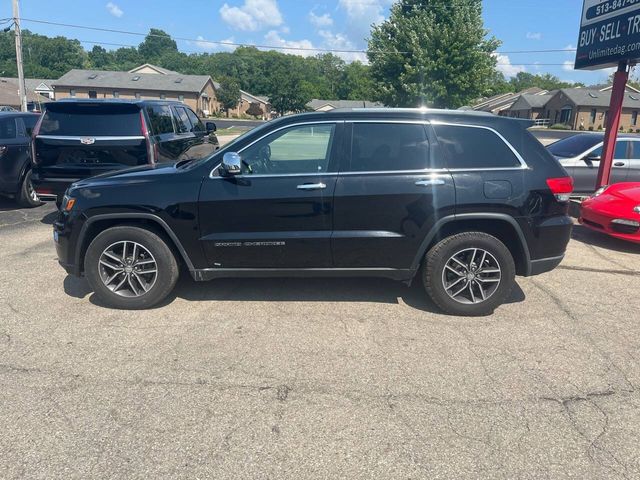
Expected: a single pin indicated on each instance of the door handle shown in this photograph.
(619, 164)
(430, 182)
(312, 186)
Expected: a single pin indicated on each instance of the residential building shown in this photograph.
(498, 104)
(326, 105)
(38, 90)
(197, 91)
(587, 109)
(253, 103)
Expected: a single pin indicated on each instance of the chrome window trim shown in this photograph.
(70, 137)
(523, 164)
(321, 122)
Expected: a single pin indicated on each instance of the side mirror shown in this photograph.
(231, 163)
(211, 127)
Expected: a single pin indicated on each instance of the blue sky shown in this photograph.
(336, 24)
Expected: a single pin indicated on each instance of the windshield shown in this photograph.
(574, 146)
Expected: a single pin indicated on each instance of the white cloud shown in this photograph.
(252, 15)
(534, 35)
(114, 9)
(206, 46)
(338, 41)
(320, 21)
(505, 66)
(568, 65)
(291, 46)
(362, 14)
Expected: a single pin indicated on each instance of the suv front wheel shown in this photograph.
(469, 274)
(130, 268)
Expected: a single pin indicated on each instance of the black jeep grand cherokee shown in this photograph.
(464, 200)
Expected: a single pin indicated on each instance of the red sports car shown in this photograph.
(614, 210)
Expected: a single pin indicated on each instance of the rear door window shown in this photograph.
(160, 118)
(183, 125)
(196, 124)
(30, 123)
(378, 147)
(8, 128)
(474, 147)
(91, 120)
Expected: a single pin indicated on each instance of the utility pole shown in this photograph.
(18, 36)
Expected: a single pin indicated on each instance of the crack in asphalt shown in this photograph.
(631, 273)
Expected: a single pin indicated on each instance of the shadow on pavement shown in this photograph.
(8, 204)
(372, 290)
(587, 236)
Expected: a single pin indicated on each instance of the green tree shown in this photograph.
(228, 93)
(100, 58)
(289, 91)
(546, 81)
(356, 83)
(431, 52)
(156, 44)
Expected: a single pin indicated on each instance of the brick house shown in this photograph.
(145, 82)
(587, 108)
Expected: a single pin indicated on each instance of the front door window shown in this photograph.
(302, 149)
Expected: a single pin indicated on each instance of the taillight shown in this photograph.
(151, 150)
(34, 134)
(561, 187)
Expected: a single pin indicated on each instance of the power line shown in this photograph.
(225, 43)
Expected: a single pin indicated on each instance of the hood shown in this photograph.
(628, 191)
(141, 174)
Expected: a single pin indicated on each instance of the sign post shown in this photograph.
(609, 37)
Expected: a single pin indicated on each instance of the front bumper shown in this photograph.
(602, 222)
(65, 240)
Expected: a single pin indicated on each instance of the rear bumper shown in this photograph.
(544, 265)
(551, 238)
(50, 189)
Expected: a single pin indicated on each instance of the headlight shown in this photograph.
(67, 203)
(600, 190)
(636, 209)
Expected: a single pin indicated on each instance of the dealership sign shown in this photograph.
(609, 33)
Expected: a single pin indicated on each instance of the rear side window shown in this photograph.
(30, 123)
(197, 125)
(91, 121)
(160, 118)
(8, 128)
(378, 147)
(183, 125)
(472, 147)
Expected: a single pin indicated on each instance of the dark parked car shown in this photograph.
(15, 157)
(77, 139)
(472, 198)
(580, 155)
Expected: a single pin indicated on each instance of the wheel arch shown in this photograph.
(502, 226)
(94, 225)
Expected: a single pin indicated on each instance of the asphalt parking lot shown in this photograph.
(296, 379)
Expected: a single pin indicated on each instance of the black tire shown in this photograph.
(165, 264)
(26, 196)
(440, 254)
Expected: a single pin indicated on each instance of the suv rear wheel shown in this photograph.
(130, 268)
(27, 196)
(469, 274)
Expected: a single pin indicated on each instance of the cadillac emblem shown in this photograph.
(88, 140)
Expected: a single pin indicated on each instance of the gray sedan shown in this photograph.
(580, 155)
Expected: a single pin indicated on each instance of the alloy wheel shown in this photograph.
(128, 269)
(471, 276)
